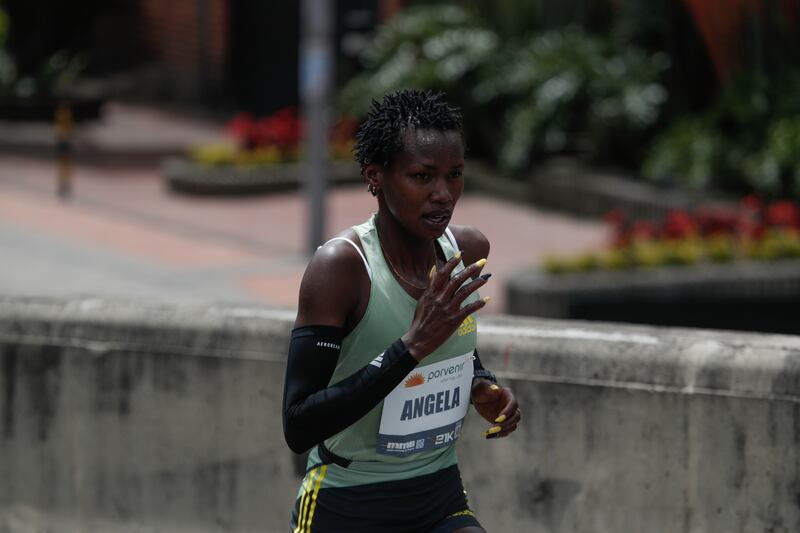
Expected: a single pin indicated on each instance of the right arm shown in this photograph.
(333, 297)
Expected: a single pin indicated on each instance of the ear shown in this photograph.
(373, 175)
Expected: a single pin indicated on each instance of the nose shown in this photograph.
(441, 194)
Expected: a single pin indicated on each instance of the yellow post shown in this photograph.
(64, 149)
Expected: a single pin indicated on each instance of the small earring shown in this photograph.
(372, 189)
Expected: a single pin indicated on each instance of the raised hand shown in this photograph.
(439, 311)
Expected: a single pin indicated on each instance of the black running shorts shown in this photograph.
(435, 503)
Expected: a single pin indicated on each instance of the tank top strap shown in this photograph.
(360, 253)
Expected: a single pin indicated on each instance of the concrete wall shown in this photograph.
(148, 417)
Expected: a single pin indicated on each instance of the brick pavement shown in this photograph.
(124, 233)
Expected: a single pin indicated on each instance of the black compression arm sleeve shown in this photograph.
(314, 411)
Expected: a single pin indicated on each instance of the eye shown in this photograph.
(454, 175)
(422, 176)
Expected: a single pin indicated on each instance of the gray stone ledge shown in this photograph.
(527, 349)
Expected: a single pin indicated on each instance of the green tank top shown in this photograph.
(412, 432)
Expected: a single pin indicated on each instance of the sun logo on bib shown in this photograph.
(414, 379)
(467, 326)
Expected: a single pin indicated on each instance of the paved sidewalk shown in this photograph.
(123, 233)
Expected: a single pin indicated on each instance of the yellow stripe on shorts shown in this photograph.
(309, 482)
(310, 516)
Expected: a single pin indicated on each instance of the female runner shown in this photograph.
(382, 364)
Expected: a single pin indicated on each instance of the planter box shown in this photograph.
(745, 295)
(193, 178)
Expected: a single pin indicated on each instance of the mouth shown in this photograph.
(437, 219)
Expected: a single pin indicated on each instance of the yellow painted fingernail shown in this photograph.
(433, 269)
(487, 298)
(494, 387)
(493, 429)
(500, 419)
(480, 262)
(458, 255)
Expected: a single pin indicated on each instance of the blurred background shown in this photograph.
(160, 150)
(161, 191)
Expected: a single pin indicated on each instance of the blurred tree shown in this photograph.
(745, 138)
(527, 96)
(539, 77)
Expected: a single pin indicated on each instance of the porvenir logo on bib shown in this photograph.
(414, 379)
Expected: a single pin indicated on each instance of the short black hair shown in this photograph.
(380, 136)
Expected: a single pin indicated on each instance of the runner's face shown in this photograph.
(424, 182)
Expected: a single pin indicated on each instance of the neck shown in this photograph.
(409, 254)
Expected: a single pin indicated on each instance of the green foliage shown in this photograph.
(524, 98)
(566, 87)
(537, 78)
(777, 166)
(748, 141)
(689, 153)
(424, 47)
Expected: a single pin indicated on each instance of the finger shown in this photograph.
(464, 292)
(471, 271)
(494, 430)
(442, 275)
(468, 309)
(506, 422)
(500, 434)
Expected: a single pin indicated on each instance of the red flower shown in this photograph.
(620, 239)
(752, 202)
(241, 128)
(717, 220)
(284, 129)
(679, 224)
(620, 232)
(643, 229)
(755, 232)
(783, 213)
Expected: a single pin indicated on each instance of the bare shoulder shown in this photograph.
(472, 242)
(333, 285)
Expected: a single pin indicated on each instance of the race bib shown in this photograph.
(426, 410)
